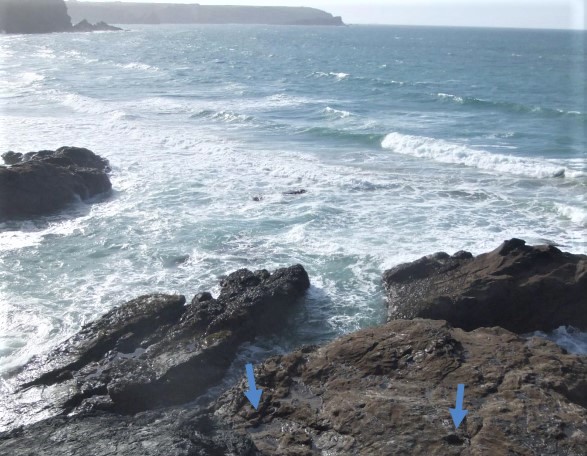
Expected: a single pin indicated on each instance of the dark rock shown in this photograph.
(85, 26)
(257, 198)
(169, 432)
(388, 390)
(295, 192)
(12, 158)
(40, 183)
(518, 287)
(34, 16)
(154, 351)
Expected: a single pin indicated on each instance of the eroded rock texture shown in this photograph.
(518, 287)
(387, 390)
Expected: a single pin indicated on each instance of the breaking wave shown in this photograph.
(447, 152)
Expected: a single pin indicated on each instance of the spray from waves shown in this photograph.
(577, 215)
(568, 337)
(508, 106)
(445, 152)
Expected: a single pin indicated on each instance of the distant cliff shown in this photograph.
(33, 16)
(166, 13)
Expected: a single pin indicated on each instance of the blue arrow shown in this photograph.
(253, 394)
(458, 414)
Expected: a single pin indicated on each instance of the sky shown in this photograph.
(561, 14)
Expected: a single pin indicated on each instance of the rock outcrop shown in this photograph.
(85, 26)
(41, 183)
(379, 391)
(388, 390)
(154, 351)
(169, 13)
(518, 287)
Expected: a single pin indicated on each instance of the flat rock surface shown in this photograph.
(41, 183)
(518, 287)
(388, 390)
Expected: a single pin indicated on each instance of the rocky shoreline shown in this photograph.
(127, 383)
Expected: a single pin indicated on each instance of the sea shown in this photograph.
(404, 140)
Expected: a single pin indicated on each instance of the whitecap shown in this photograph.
(339, 76)
(449, 96)
(336, 112)
(229, 116)
(458, 154)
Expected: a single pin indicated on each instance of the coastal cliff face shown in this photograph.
(149, 13)
(33, 16)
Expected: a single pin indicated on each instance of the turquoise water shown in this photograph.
(407, 140)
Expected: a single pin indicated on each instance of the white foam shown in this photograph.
(568, 337)
(335, 75)
(337, 112)
(87, 105)
(458, 154)
(29, 78)
(577, 215)
(138, 66)
(229, 116)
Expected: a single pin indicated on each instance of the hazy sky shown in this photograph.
(485, 13)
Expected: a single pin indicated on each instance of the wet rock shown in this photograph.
(518, 287)
(153, 351)
(40, 183)
(388, 390)
(12, 158)
(170, 432)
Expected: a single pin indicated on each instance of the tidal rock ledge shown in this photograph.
(44, 182)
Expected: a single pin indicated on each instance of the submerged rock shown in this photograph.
(154, 351)
(41, 183)
(301, 191)
(518, 287)
(388, 390)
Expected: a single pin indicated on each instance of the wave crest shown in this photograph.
(446, 152)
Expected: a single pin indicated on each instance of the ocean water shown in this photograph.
(407, 141)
